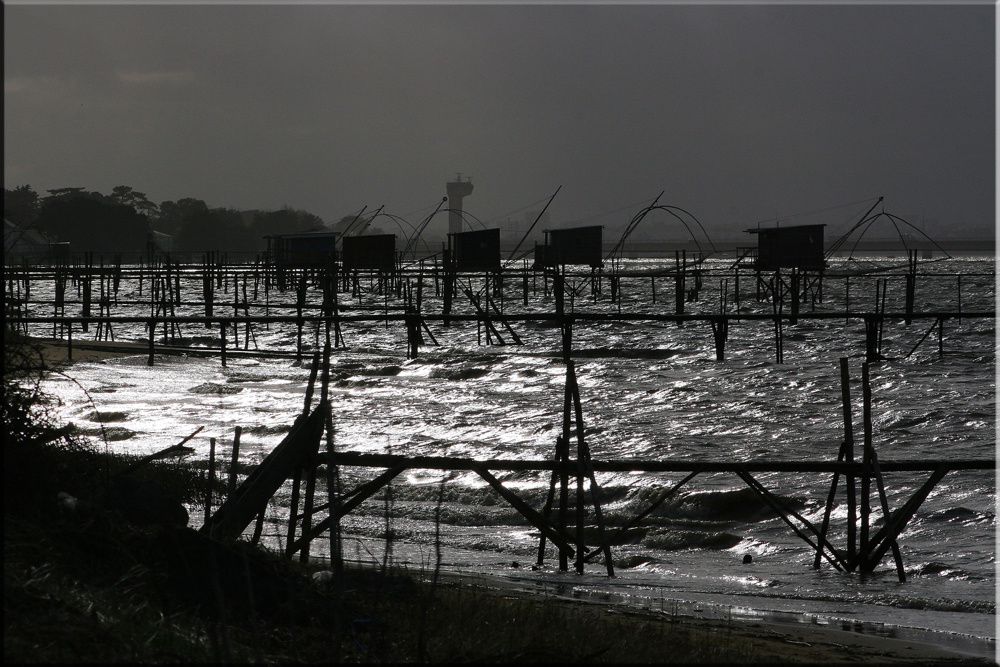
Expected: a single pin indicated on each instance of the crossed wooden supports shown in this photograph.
(299, 455)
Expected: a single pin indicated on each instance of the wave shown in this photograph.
(676, 540)
(732, 505)
(961, 514)
(112, 433)
(935, 568)
(213, 388)
(625, 353)
(464, 373)
(106, 416)
(263, 429)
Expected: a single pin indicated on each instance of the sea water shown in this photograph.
(650, 390)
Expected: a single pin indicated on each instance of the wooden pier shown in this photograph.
(862, 549)
(235, 300)
(333, 301)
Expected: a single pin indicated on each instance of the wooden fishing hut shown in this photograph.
(373, 252)
(798, 249)
(570, 245)
(313, 249)
(474, 252)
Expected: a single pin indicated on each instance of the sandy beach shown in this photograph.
(769, 641)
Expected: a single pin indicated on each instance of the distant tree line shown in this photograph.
(123, 221)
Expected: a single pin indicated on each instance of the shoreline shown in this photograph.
(773, 639)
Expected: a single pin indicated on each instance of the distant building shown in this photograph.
(21, 243)
(161, 242)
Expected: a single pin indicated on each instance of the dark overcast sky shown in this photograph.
(740, 112)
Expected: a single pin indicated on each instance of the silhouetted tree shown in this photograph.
(124, 194)
(283, 221)
(20, 205)
(92, 222)
(173, 214)
(214, 229)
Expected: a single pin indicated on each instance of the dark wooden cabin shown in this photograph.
(375, 251)
(571, 245)
(303, 249)
(476, 251)
(796, 247)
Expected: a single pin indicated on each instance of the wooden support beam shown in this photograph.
(533, 517)
(358, 496)
(649, 510)
(873, 464)
(828, 508)
(547, 507)
(583, 458)
(293, 511)
(886, 536)
(364, 459)
(781, 510)
(252, 496)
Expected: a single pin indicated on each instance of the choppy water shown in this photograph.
(650, 391)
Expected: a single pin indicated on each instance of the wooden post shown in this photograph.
(796, 286)
(852, 503)
(293, 510)
(211, 479)
(679, 270)
(222, 330)
(449, 286)
(847, 300)
(333, 498)
(960, 298)
(235, 459)
(911, 282)
(779, 340)
(868, 563)
(564, 477)
(547, 507)
(866, 460)
(558, 290)
(940, 336)
(871, 338)
(583, 461)
(86, 297)
(152, 334)
(307, 511)
(720, 331)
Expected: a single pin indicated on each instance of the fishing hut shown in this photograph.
(798, 250)
(314, 249)
(570, 245)
(798, 247)
(475, 251)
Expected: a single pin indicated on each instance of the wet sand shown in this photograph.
(54, 353)
(770, 642)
